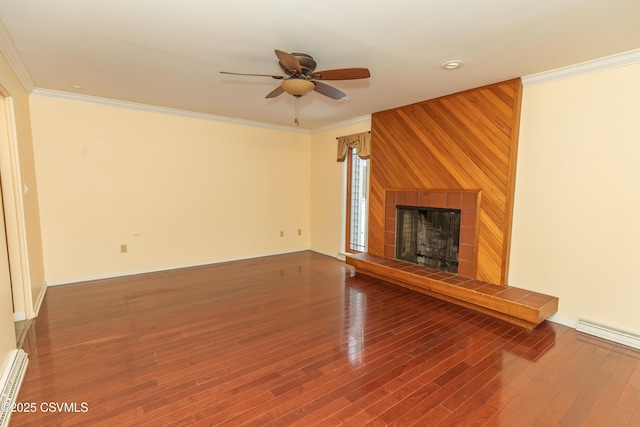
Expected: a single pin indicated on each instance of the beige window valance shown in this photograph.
(360, 141)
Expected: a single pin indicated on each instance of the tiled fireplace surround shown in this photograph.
(466, 201)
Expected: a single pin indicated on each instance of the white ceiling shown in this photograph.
(168, 53)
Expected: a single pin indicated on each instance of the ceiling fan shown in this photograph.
(301, 78)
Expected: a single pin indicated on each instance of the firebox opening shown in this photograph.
(428, 237)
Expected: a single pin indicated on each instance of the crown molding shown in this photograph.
(613, 61)
(68, 96)
(10, 53)
(355, 121)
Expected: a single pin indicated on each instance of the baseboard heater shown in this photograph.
(10, 382)
(608, 333)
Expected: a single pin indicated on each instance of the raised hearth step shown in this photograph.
(515, 305)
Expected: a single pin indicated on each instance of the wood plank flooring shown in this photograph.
(300, 339)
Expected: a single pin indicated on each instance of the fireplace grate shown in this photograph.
(429, 237)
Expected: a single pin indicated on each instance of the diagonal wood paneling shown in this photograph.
(464, 141)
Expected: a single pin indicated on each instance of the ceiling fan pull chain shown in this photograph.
(297, 122)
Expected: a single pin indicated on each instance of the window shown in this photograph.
(357, 195)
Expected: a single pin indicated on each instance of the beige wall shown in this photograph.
(177, 191)
(327, 187)
(576, 228)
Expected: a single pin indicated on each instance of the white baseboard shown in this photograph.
(332, 255)
(36, 308)
(619, 336)
(10, 383)
(598, 330)
(164, 268)
(562, 321)
(339, 256)
(21, 315)
(342, 256)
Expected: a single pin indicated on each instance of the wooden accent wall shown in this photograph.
(464, 141)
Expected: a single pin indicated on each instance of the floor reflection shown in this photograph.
(356, 318)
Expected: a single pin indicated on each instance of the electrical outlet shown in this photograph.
(282, 234)
(123, 249)
(299, 231)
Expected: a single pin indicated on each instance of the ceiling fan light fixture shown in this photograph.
(297, 87)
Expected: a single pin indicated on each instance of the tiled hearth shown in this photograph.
(514, 305)
(466, 201)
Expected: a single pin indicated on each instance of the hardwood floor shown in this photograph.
(298, 339)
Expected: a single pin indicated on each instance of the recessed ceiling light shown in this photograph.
(76, 86)
(452, 65)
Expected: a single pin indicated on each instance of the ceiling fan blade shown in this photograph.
(277, 91)
(246, 74)
(289, 61)
(342, 74)
(329, 91)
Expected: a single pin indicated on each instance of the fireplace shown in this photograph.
(467, 202)
(428, 237)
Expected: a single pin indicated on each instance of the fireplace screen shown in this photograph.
(428, 236)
